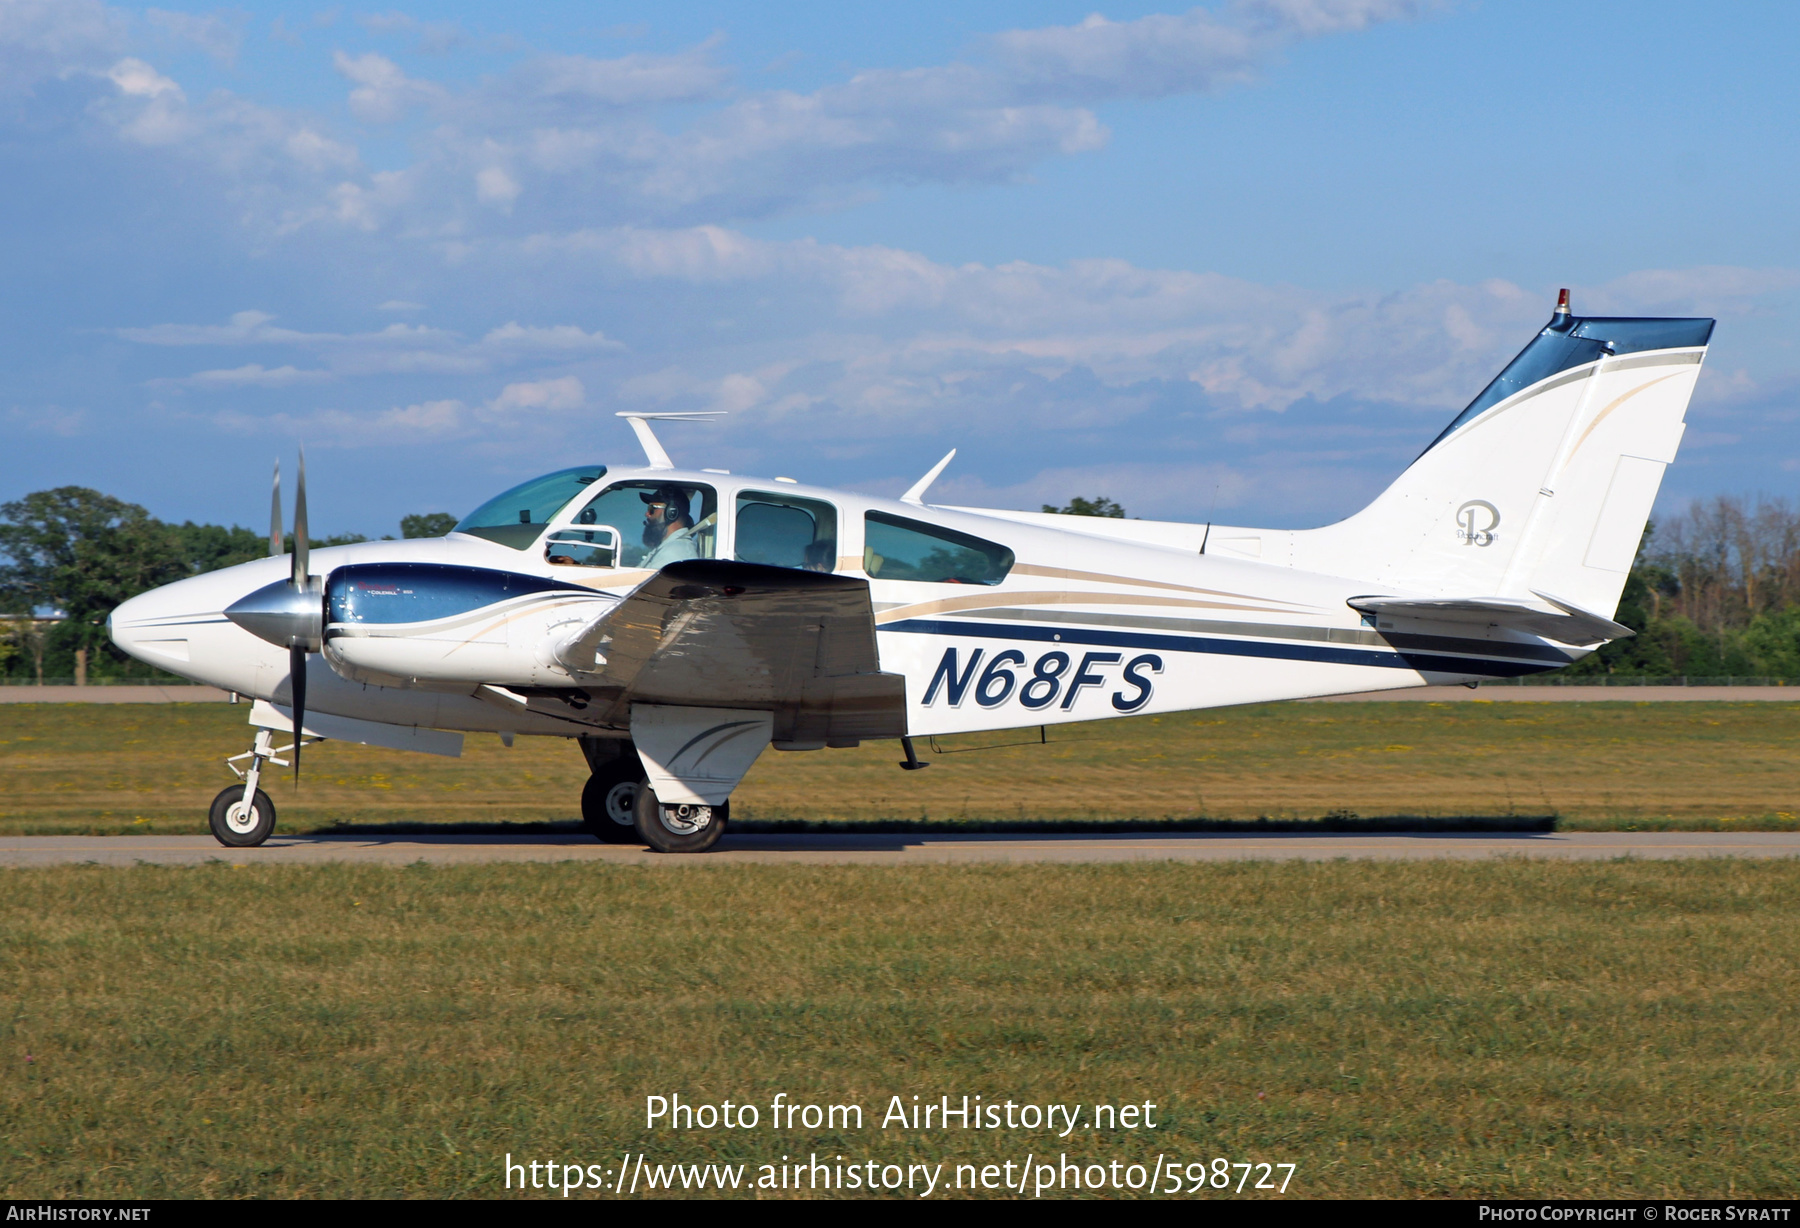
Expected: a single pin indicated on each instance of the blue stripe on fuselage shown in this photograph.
(1330, 655)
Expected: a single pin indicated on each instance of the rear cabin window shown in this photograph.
(898, 549)
(786, 531)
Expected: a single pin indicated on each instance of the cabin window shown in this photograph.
(899, 549)
(657, 522)
(786, 531)
(517, 517)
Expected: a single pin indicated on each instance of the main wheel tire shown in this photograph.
(678, 829)
(609, 798)
(235, 828)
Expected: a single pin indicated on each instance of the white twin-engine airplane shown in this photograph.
(677, 622)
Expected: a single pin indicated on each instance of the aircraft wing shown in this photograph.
(719, 634)
(1563, 622)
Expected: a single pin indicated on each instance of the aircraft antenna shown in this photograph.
(657, 455)
(916, 495)
(1207, 536)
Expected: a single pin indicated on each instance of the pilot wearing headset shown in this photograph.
(668, 527)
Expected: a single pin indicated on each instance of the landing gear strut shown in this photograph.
(242, 816)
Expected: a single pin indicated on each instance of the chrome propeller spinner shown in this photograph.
(289, 613)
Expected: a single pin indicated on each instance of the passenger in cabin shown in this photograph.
(821, 556)
(668, 527)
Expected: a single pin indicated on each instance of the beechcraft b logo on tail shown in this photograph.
(1476, 521)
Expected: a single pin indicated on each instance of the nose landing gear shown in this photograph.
(242, 816)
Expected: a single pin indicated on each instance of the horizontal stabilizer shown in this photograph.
(1562, 622)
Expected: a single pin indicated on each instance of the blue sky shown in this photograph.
(1247, 257)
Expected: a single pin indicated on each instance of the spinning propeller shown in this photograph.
(289, 613)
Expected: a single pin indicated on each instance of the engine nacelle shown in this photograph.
(407, 624)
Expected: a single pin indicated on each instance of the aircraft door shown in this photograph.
(783, 530)
(653, 523)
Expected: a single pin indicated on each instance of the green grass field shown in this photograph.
(153, 768)
(1507, 1029)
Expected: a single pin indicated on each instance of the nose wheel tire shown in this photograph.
(678, 829)
(236, 827)
(609, 799)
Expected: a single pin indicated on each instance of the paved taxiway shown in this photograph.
(901, 849)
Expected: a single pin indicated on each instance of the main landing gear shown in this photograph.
(619, 806)
(242, 816)
(609, 799)
(678, 829)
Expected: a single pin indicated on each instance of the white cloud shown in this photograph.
(1709, 290)
(1247, 344)
(881, 342)
(425, 422)
(138, 80)
(151, 108)
(47, 420)
(217, 35)
(395, 349)
(251, 375)
(40, 39)
(427, 418)
(431, 36)
(1138, 485)
(254, 328)
(495, 186)
(320, 153)
(551, 394)
(1200, 51)
(383, 92)
(633, 80)
(559, 338)
(558, 140)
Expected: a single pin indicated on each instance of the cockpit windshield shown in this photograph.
(517, 517)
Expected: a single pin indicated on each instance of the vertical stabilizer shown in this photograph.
(1544, 483)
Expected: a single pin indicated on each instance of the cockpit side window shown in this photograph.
(658, 522)
(896, 548)
(786, 531)
(517, 517)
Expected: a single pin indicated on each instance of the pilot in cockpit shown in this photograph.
(668, 527)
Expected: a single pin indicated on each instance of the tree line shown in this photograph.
(1715, 591)
(68, 556)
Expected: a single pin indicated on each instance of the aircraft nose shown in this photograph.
(125, 623)
(156, 627)
(147, 626)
